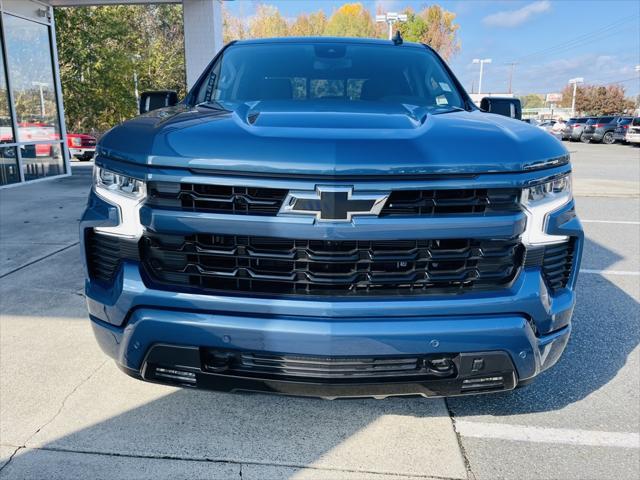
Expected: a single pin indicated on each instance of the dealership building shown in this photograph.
(33, 136)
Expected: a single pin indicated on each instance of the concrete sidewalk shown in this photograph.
(68, 412)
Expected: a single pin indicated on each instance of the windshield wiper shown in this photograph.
(448, 110)
(211, 104)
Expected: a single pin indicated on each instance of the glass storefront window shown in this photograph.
(42, 160)
(9, 172)
(6, 129)
(32, 80)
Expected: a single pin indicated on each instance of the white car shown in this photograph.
(633, 132)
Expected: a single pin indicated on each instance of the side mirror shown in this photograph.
(509, 107)
(158, 99)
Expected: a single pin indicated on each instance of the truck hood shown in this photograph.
(329, 138)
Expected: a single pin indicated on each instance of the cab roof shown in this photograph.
(345, 40)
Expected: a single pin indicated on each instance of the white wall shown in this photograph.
(202, 35)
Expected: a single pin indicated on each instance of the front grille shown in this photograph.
(444, 202)
(267, 201)
(557, 264)
(329, 369)
(327, 267)
(105, 252)
(216, 198)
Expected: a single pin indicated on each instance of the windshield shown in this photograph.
(343, 72)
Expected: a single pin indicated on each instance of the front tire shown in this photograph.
(608, 138)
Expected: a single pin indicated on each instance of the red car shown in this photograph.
(81, 146)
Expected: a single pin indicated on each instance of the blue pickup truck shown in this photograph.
(331, 217)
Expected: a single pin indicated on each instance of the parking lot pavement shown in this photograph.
(67, 412)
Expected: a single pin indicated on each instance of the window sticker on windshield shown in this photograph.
(441, 100)
(445, 86)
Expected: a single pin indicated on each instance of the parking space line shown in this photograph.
(619, 222)
(611, 272)
(525, 433)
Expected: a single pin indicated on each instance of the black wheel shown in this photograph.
(608, 138)
(584, 139)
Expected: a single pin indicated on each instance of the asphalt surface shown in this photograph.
(67, 412)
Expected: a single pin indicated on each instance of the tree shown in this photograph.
(533, 100)
(267, 22)
(233, 28)
(433, 26)
(350, 20)
(597, 99)
(312, 25)
(100, 47)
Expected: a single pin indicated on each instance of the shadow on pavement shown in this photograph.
(605, 331)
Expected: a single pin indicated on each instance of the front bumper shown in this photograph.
(83, 152)
(525, 323)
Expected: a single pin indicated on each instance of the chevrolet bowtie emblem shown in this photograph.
(333, 204)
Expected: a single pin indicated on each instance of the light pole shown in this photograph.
(41, 85)
(481, 61)
(575, 82)
(390, 18)
(134, 59)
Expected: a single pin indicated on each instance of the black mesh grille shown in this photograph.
(104, 253)
(443, 202)
(330, 369)
(557, 264)
(267, 201)
(216, 198)
(326, 267)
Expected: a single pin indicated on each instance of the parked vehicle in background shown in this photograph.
(568, 128)
(601, 129)
(547, 125)
(577, 127)
(81, 146)
(633, 132)
(621, 130)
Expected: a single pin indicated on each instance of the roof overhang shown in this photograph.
(84, 3)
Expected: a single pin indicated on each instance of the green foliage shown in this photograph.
(598, 99)
(100, 47)
(267, 22)
(533, 100)
(350, 20)
(312, 25)
(433, 26)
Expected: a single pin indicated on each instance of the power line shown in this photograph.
(588, 37)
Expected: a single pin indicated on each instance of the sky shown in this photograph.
(551, 41)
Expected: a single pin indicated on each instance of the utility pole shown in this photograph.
(481, 61)
(512, 64)
(575, 82)
(390, 18)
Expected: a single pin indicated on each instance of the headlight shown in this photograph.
(539, 201)
(120, 184)
(126, 193)
(76, 142)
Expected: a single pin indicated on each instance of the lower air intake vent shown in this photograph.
(557, 264)
(104, 253)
